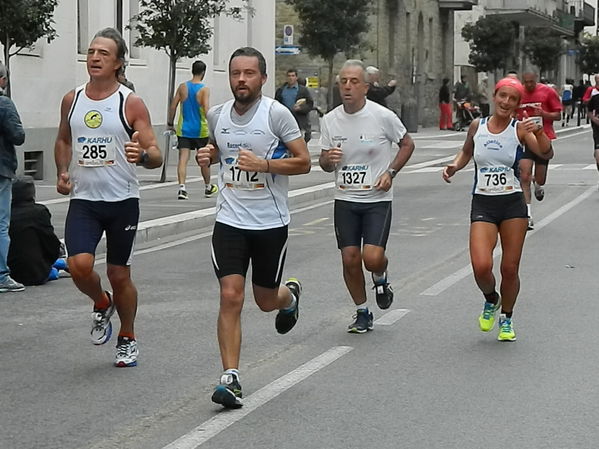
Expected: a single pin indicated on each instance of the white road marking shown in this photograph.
(224, 419)
(457, 276)
(317, 221)
(442, 145)
(391, 317)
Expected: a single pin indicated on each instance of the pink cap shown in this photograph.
(510, 82)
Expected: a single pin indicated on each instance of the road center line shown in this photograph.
(457, 276)
(226, 418)
(391, 317)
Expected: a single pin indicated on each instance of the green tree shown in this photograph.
(543, 46)
(588, 54)
(491, 41)
(182, 28)
(22, 23)
(331, 27)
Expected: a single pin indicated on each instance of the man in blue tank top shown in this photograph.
(192, 97)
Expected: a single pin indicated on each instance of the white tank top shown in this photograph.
(99, 129)
(250, 200)
(496, 158)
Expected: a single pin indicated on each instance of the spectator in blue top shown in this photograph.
(298, 100)
(11, 134)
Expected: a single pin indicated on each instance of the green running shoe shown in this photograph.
(506, 329)
(486, 320)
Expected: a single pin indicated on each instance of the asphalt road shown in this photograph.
(426, 377)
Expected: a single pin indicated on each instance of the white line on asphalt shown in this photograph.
(193, 238)
(391, 317)
(567, 136)
(429, 163)
(454, 278)
(224, 419)
(317, 221)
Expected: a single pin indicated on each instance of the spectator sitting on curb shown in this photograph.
(34, 253)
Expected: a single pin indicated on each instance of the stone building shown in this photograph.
(411, 41)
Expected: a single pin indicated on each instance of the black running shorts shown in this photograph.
(527, 154)
(496, 208)
(233, 248)
(87, 220)
(595, 129)
(190, 143)
(357, 223)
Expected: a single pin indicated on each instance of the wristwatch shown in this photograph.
(392, 172)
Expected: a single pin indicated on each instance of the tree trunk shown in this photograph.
(171, 94)
(331, 85)
(7, 65)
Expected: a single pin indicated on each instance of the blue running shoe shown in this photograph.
(228, 392)
(286, 319)
(363, 322)
(101, 325)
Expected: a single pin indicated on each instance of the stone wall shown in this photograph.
(410, 41)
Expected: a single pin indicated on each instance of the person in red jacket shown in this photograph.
(542, 102)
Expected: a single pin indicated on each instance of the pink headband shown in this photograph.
(510, 82)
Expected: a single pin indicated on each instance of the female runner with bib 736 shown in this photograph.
(498, 206)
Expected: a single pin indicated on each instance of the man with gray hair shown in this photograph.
(356, 141)
(104, 132)
(11, 134)
(376, 92)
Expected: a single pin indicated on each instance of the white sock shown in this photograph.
(233, 371)
(292, 303)
(379, 278)
(181, 186)
(362, 306)
(528, 208)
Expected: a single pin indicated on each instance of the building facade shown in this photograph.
(566, 17)
(410, 40)
(41, 76)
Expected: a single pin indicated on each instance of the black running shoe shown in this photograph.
(228, 392)
(363, 322)
(384, 295)
(286, 319)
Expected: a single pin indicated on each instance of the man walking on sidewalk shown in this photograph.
(104, 131)
(258, 144)
(11, 134)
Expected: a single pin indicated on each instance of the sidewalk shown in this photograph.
(162, 215)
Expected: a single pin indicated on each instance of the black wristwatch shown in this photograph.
(392, 172)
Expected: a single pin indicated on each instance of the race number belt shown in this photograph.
(496, 180)
(354, 177)
(95, 151)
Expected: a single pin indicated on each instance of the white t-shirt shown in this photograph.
(99, 130)
(366, 139)
(252, 200)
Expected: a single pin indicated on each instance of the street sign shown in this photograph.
(287, 50)
(288, 35)
(312, 81)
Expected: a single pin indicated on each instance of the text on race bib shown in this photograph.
(354, 177)
(235, 178)
(95, 151)
(495, 180)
